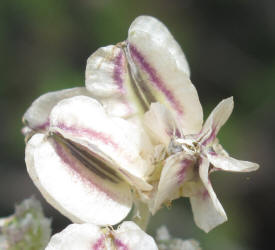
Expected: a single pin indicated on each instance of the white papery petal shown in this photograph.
(216, 120)
(158, 34)
(218, 148)
(160, 124)
(107, 77)
(117, 106)
(207, 210)
(89, 237)
(78, 237)
(69, 186)
(230, 164)
(177, 170)
(105, 71)
(37, 115)
(130, 236)
(160, 69)
(83, 120)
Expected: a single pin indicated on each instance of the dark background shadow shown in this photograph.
(230, 47)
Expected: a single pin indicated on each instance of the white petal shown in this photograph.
(37, 115)
(207, 210)
(218, 148)
(216, 120)
(89, 237)
(78, 237)
(177, 170)
(130, 236)
(69, 186)
(118, 106)
(160, 124)
(230, 164)
(158, 33)
(83, 120)
(107, 78)
(160, 69)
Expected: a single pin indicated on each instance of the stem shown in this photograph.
(141, 215)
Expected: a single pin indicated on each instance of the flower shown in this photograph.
(128, 236)
(166, 242)
(27, 228)
(87, 150)
(189, 160)
(148, 70)
(84, 161)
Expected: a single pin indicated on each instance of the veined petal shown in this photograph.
(68, 184)
(160, 124)
(216, 120)
(89, 237)
(107, 77)
(158, 33)
(129, 236)
(37, 115)
(161, 72)
(207, 210)
(177, 170)
(78, 236)
(83, 120)
(227, 163)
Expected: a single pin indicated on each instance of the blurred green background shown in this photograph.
(230, 47)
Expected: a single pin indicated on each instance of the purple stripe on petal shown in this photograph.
(211, 152)
(89, 133)
(118, 71)
(182, 171)
(99, 245)
(173, 132)
(43, 126)
(120, 245)
(155, 78)
(205, 194)
(106, 139)
(210, 138)
(178, 133)
(118, 79)
(74, 165)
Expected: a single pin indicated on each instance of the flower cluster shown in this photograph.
(133, 134)
(27, 228)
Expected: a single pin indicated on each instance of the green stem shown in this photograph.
(141, 215)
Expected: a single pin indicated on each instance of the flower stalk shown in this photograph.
(141, 215)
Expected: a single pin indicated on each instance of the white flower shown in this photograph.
(89, 153)
(128, 236)
(83, 161)
(189, 161)
(150, 67)
(27, 228)
(166, 242)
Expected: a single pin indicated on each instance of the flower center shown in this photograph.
(188, 145)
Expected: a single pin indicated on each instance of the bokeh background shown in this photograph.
(230, 47)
